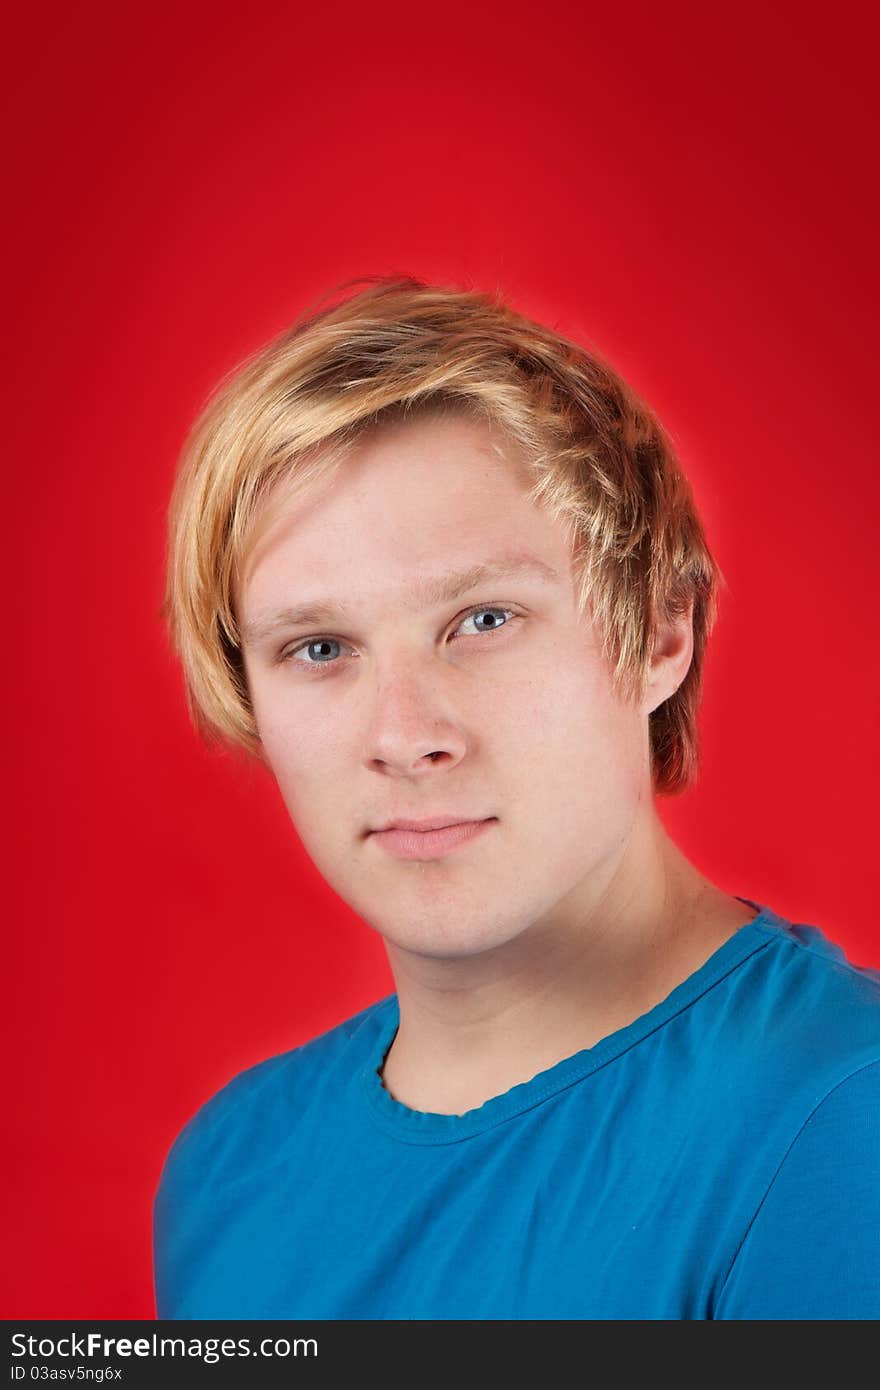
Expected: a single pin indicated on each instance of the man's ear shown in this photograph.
(671, 658)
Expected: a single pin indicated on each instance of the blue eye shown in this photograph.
(476, 611)
(317, 642)
(323, 643)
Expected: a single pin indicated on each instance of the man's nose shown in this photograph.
(413, 722)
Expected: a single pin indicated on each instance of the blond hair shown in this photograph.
(601, 461)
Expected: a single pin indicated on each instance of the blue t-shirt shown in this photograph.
(718, 1158)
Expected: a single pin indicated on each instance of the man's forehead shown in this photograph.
(320, 553)
(401, 468)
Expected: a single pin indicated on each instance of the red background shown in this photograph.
(690, 192)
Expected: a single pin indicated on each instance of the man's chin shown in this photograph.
(443, 941)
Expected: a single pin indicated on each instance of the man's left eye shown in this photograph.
(477, 612)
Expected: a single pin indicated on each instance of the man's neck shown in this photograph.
(470, 1029)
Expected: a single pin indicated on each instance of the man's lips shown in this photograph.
(404, 842)
(438, 822)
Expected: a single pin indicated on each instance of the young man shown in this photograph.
(439, 568)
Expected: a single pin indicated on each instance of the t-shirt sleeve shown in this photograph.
(813, 1248)
(170, 1206)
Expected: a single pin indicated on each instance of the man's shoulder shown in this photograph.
(811, 957)
(805, 1004)
(299, 1063)
(263, 1098)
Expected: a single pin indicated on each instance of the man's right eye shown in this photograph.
(321, 643)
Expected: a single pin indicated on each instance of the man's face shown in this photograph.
(503, 684)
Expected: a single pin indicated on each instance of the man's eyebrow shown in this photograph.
(439, 589)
